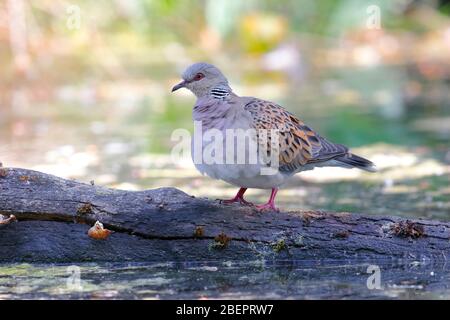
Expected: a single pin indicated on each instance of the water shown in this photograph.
(209, 280)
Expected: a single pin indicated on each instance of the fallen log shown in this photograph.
(54, 215)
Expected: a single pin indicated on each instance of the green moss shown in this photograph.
(279, 245)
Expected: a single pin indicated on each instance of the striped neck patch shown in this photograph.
(219, 92)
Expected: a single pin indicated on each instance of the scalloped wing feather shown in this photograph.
(299, 145)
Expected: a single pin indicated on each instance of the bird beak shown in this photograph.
(182, 84)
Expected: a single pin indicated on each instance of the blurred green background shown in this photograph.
(85, 91)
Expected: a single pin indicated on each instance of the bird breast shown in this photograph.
(224, 146)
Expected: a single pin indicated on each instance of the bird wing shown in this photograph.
(298, 144)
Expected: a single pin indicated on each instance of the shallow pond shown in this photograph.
(209, 280)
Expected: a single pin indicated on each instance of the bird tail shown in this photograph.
(353, 161)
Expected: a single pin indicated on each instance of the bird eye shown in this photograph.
(199, 76)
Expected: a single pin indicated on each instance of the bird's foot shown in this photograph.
(267, 207)
(234, 200)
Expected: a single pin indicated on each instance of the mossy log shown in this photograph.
(53, 216)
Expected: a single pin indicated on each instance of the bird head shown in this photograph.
(200, 78)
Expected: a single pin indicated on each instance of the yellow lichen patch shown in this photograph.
(342, 214)
(279, 245)
(221, 241)
(27, 178)
(85, 208)
(3, 172)
(199, 232)
(310, 215)
(408, 229)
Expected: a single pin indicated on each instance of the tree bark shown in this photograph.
(53, 216)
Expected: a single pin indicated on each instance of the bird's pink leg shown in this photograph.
(239, 197)
(271, 204)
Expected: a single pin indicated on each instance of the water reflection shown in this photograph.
(227, 280)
